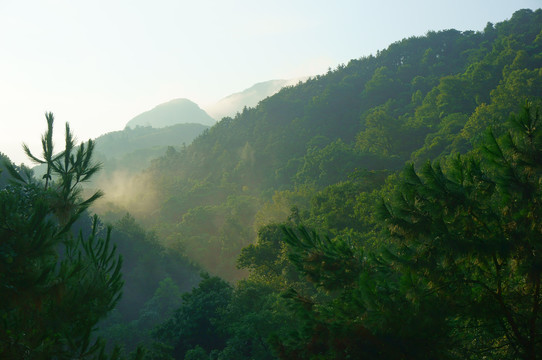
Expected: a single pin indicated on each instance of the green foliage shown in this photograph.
(421, 98)
(133, 149)
(444, 141)
(450, 270)
(196, 353)
(330, 264)
(47, 147)
(56, 285)
(266, 258)
(208, 233)
(469, 234)
(195, 321)
(459, 277)
(154, 277)
(218, 321)
(4, 173)
(336, 208)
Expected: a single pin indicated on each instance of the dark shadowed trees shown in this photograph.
(55, 284)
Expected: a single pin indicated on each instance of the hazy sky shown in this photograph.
(97, 64)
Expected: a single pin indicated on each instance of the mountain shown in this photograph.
(126, 152)
(305, 192)
(340, 251)
(177, 111)
(234, 103)
(117, 144)
(420, 99)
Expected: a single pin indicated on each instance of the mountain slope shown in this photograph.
(119, 143)
(421, 98)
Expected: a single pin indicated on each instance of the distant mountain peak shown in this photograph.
(250, 97)
(176, 111)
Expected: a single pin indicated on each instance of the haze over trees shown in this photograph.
(388, 209)
(420, 99)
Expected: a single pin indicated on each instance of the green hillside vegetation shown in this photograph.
(5, 164)
(354, 259)
(123, 155)
(348, 256)
(177, 111)
(388, 209)
(62, 270)
(420, 99)
(117, 144)
(4, 174)
(56, 283)
(132, 150)
(154, 279)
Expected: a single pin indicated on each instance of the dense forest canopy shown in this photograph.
(388, 209)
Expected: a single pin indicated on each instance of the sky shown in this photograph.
(97, 64)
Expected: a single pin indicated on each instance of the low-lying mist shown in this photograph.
(125, 192)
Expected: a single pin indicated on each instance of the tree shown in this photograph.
(459, 275)
(470, 233)
(56, 285)
(194, 323)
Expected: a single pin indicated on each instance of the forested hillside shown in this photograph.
(125, 153)
(388, 209)
(117, 144)
(354, 257)
(130, 150)
(418, 100)
(63, 271)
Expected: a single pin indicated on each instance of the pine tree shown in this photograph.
(55, 284)
(461, 272)
(471, 233)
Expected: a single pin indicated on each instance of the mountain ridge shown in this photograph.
(250, 97)
(420, 99)
(175, 111)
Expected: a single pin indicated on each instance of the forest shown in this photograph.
(390, 208)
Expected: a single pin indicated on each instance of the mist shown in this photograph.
(125, 192)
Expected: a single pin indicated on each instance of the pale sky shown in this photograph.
(97, 64)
